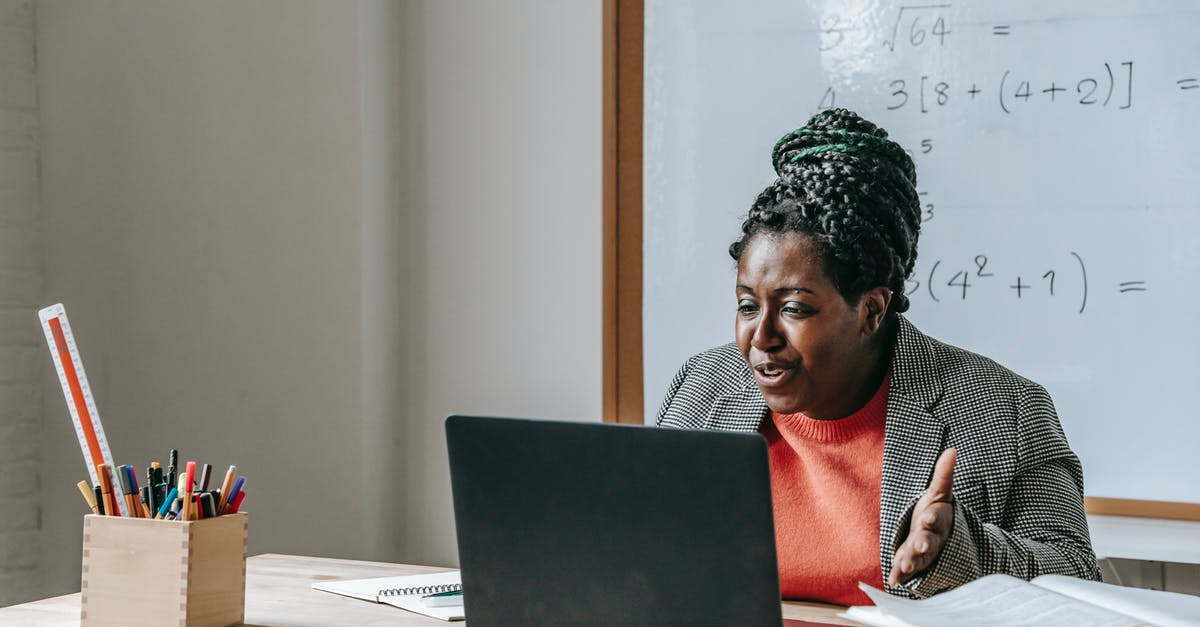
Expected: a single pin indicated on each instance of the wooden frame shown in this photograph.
(622, 207)
(624, 33)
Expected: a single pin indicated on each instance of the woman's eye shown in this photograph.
(747, 307)
(795, 309)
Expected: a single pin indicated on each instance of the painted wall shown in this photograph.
(294, 236)
(21, 274)
(506, 239)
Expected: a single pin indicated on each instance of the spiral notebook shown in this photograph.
(403, 591)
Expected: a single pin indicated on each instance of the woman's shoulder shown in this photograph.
(955, 366)
(715, 371)
(705, 377)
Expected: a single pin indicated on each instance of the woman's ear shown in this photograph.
(875, 303)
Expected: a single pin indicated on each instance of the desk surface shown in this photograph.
(278, 593)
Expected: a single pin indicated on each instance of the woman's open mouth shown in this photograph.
(771, 375)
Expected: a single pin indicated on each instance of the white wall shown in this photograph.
(506, 242)
(295, 235)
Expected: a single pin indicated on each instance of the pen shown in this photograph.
(237, 503)
(166, 506)
(88, 496)
(443, 599)
(99, 500)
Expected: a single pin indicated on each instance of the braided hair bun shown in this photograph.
(853, 190)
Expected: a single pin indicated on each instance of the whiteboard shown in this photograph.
(1058, 154)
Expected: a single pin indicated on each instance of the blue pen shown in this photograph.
(166, 506)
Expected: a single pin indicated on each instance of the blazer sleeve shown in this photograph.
(1043, 528)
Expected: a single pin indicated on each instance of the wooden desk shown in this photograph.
(278, 593)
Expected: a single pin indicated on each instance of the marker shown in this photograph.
(206, 505)
(226, 486)
(134, 492)
(160, 487)
(172, 467)
(106, 489)
(184, 499)
(114, 497)
(204, 472)
(150, 492)
(233, 492)
(189, 482)
(166, 506)
(237, 503)
(99, 500)
(123, 477)
(88, 496)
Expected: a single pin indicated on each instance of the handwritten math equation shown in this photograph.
(1110, 83)
(1066, 282)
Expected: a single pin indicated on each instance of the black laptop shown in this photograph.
(563, 523)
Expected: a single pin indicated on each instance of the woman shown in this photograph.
(895, 458)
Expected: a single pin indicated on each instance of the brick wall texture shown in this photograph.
(22, 346)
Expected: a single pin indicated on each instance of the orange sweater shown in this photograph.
(825, 482)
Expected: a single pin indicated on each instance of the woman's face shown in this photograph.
(810, 350)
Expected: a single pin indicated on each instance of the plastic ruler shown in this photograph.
(79, 397)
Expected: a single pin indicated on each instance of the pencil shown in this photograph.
(225, 487)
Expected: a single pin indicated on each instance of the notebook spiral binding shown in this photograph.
(399, 592)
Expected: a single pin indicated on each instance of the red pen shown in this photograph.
(237, 502)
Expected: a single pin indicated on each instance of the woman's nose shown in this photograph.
(766, 334)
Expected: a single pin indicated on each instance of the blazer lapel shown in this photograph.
(913, 437)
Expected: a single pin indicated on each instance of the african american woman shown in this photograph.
(895, 459)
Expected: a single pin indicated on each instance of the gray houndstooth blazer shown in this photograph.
(1018, 487)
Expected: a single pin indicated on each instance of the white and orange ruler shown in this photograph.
(79, 396)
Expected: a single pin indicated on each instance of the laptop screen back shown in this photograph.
(563, 523)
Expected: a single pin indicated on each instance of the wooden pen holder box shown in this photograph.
(138, 571)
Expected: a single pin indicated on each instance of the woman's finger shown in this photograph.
(943, 477)
(929, 528)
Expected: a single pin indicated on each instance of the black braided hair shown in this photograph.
(853, 190)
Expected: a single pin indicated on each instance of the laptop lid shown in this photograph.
(563, 523)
